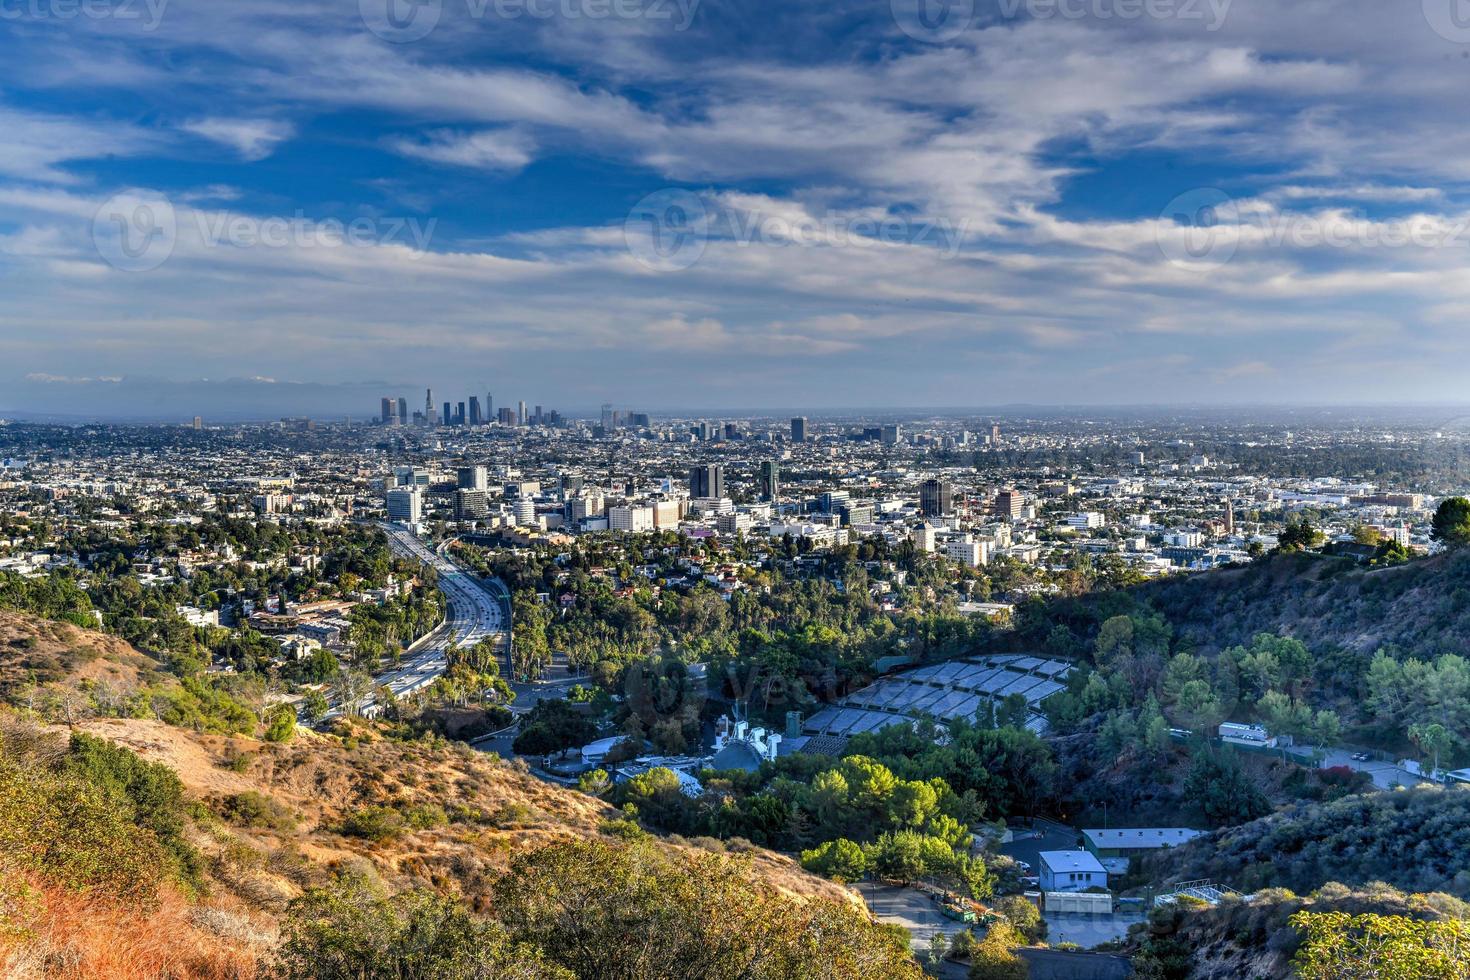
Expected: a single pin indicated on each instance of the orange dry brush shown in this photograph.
(58, 934)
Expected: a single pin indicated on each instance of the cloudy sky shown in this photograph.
(705, 203)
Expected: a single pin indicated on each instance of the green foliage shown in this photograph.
(992, 958)
(353, 930)
(254, 809)
(1222, 789)
(280, 724)
(150, 791)
(840, 860)
(1340, 946)
(375, 823)
(629, 912)
(552, 726)
(1452, 522)
(1413, 839)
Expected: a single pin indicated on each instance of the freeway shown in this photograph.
(473, 615)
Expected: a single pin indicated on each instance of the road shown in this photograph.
(473, 615)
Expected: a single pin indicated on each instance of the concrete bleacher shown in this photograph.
(955, 689)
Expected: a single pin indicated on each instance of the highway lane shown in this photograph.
(474, 614)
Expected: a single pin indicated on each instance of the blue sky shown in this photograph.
(702, 203)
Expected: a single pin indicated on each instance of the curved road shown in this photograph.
(473, 615)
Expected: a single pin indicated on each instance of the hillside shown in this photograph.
(1422, 606)
(1257, 940)
(1415, 840)
(131, 848)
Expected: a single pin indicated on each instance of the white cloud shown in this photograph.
(504, 150)
(252, 139)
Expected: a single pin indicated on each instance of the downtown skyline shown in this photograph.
(702, 207)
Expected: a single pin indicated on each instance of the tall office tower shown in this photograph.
(889, 435)
(609, 418)
(406, 505)
(198, 423)
(994, 433)
(448, 417)
(770, 480)
(403, 411)
(472, 478)
(936, 498)
(388, 412)
(798, 429)
(707, 481)
(1008, 504)
(489, 407)
(428, 406)
(507, 416)
(521, 413)
(638, 420)
(459, 415)
(703, 431)
(536, 415)
(475, 418)
(732, 431)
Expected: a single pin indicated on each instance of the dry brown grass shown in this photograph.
(68, 936)
(322, 780)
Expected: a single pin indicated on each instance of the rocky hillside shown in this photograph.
(1422, 606)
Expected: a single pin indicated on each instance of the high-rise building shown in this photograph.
(489, 407)
(707, 481)
(890, 434)
(1008, 504)
(198, 423)
(388, 410)
(470, 504)
(609, 418)
(448, 417)
(459, 417)
(405, 504)
(798, 428)
(1229, 516)
(475, 418)
(639, 420)
(936, 498)
(472, 478)
(770, 481)
(995, 433)
(403, 411)
(521, 413)
(507, 416)
(428, 406)
(732, 431)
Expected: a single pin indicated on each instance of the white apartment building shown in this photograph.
(630, 518)
(406, 505)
